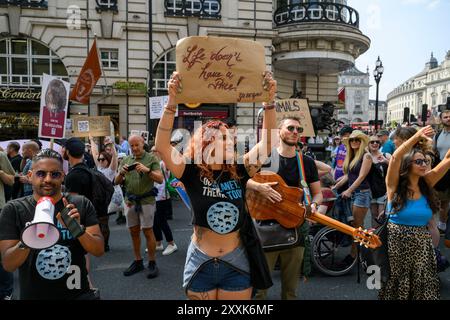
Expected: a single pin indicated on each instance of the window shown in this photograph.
(106, 5)
(23, 61)
(110, 59)
(162, 70)
(200, 8)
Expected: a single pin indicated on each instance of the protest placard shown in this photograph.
(54, 102)
(220, 70)
(84, 126)
(297, 108)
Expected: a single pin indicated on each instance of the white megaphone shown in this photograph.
(41, 233)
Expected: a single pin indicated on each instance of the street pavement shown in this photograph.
(107, 271)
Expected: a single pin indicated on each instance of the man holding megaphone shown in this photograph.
(47, 235)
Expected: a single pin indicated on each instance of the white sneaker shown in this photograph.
(170, 249)
(160, 247)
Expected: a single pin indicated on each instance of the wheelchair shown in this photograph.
(330, 247)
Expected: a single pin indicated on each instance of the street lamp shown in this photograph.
(377, 73)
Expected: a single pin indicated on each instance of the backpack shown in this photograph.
(102, 191)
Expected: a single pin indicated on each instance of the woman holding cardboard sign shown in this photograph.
(224, 260)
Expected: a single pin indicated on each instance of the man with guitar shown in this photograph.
(305, 177)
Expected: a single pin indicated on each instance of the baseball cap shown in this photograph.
(75, 147)
(383, 133)
(345, 130)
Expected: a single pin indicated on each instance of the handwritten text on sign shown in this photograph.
(220, 70)
(297, 108)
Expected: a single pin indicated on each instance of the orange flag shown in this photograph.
(88, 77)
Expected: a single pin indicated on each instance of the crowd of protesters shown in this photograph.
(401, 175)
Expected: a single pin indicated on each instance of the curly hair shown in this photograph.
(403, 192)
(202, 139)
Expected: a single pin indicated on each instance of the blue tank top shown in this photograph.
(416, 213)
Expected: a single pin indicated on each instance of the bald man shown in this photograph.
(29, 150)
(138, 172)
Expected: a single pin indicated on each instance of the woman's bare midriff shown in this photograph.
(213, 244)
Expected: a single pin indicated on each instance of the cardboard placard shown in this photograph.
(84, 126)
(220, 70)
(297, 108)
(54, 102)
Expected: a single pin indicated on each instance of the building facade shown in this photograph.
(430, 87)
(307, 43)
(357, 86)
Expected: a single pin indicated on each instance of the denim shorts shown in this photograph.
(380, 200)
(202, 273)
(361, 199)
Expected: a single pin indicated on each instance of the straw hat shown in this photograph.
(357, 134)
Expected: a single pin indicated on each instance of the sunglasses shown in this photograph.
(101, 159)
(292, 128)
(354, 140)
(375, 142)
(421, 162)
(41, 174)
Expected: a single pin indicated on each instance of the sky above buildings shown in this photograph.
(403, 34)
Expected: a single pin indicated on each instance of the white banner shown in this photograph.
(156, 106)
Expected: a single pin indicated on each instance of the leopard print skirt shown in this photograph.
(413, 265)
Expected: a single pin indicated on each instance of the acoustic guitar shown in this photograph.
(290, 213)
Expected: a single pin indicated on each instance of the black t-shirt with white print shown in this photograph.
(56, 273)
(218, 205)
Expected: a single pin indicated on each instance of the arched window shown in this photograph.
(162, 69)
(23, 61)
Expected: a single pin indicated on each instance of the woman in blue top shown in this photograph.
(411, 202)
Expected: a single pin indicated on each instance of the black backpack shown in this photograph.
(102, 191)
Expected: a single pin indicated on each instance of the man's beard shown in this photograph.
(44, 193)
(290, 144)
(65, 156)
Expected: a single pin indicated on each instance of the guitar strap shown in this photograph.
(303, 184)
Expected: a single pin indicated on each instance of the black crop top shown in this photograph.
(217, 205)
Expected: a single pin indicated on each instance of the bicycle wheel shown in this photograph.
(330, 247)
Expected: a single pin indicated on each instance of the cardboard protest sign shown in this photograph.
(220, 70)
(84, 126)
(54, 102)
(298, 108)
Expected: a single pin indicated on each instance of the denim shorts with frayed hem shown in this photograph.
(362, 199)
(229, 273)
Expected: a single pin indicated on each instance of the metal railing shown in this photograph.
(316, 12)
(206, 9)
(43, 4)
(106, 5)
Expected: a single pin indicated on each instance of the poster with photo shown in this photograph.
(54, 102)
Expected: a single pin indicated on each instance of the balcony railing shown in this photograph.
(42, 4)
(106, 5)
(205, 9)
(316, 12)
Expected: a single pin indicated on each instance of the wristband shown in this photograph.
(269, 106)
(171, 108)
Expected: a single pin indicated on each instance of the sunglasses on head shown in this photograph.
(292, 128)
(41, 174)
(375, 142)
(354, 140)
(421, 162)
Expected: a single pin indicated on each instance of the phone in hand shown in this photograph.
(132, 167)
